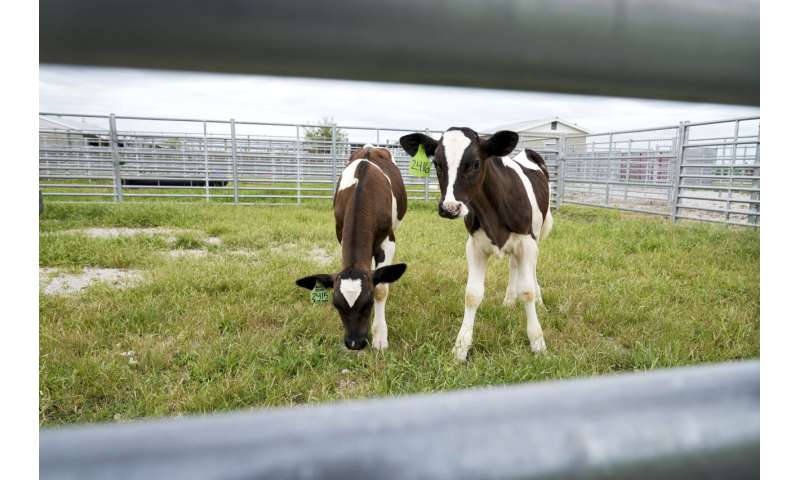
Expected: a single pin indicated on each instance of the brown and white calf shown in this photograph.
(505, 203)
(369, 203)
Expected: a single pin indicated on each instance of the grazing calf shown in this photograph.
(505, 203)
(369, 203)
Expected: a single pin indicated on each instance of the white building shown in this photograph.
(543, 133)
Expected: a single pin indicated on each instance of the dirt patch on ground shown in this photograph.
(191, 253)
(213, 241)
(114, 232)
(315, 253)
(243, 253)
(320, 255)
(53, 282)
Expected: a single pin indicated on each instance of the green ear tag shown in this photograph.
(319, 294)
(420, 165)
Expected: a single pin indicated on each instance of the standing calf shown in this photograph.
(369, 203)
(505, 203)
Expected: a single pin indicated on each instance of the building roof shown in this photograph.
(533, 124)
(66, 123)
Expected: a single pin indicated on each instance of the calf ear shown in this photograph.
(501, 143)
(388, 274)
(311, 281)
(411, 143)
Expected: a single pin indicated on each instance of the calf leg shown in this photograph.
(539, 297)
(476, 265)
(511, 290)
(526, 283)
(380, 332)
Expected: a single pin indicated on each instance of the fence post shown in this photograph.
(205, 158)
(297, 159)
(679, 153)
(731, 171)
(608, 167)
(235, 163)
(333, 161)
(427, 178)
(628, 169)
(756, 219)
(561, 159)
(115, 162)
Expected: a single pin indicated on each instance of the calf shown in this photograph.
(369, 203)
(505, 204)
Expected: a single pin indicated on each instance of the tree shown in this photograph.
(320, 137)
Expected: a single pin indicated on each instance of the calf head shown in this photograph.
(460, 160)
(354, 296)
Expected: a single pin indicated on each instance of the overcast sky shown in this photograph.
(69, 89)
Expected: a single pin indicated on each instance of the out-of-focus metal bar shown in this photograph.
(698, 422)
(675, 49)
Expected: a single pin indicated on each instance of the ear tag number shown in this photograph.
(420, 164)
(319, 295)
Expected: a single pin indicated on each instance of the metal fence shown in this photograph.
(701, 171)
(695, 422)
(707, 171)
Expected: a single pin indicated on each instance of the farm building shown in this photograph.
(542, 133)
(71, 132)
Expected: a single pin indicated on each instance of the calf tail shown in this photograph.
(547, 225)
(538, 160)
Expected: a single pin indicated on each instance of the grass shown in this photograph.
(228, 331)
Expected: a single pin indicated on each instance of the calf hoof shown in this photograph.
(380, 344)
(460, 354)
(538, 345)
(462, 346)
(460, 351)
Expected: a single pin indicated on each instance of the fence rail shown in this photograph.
(706, 171)
(697, 422)
(677, 49)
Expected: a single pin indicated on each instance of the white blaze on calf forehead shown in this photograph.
(454, 143)
(350, 289)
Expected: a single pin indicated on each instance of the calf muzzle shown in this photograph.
(355, 343)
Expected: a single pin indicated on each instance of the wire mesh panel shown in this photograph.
(719, 178)
(630, 170)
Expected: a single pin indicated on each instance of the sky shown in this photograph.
(90, 90)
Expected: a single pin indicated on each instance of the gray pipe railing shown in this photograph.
(697, 422)
(702, 50)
